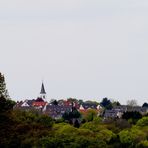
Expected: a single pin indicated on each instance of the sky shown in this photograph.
(80, 48)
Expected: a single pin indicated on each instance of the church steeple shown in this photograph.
(42, 89)
(43, 92)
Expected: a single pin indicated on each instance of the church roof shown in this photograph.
(42, 89)
(39, 100)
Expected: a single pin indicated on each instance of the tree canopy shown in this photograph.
(106, 103)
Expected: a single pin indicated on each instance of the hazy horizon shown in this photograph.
(82, 49)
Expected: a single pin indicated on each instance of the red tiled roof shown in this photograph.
(39, 103)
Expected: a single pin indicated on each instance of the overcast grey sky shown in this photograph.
(88, 49)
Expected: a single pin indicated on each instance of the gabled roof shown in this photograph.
(25, 104)
(87, 106)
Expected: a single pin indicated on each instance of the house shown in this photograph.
(24, 105)
(56, 111)
(85, 106)
(118, 111)
(114, 113)
(38, 103)
(124, 108)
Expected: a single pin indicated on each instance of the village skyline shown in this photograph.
(95, 99)
(43, 94)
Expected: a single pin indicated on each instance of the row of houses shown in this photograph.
(117, 111)
(56, 110)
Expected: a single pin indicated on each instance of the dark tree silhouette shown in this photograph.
(145, 104)
(106, 103)
(134, 115)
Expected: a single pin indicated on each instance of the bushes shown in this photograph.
(132, 137)
(45, 120)
(143, 122)
(125, 138)
(143, 144)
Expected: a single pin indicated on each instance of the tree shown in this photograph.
(133, 115)
(72, 100)
(90, 115)
(143, 122)
(69, 116)
(106, 135)
(91, 103)
(76, 123)
(54, 102)
(45, 120)
(6, 105)
(143, 144)
(137, 135)
(2, 85)
(130, 138)
(75, 114)
(145, 104)
(132, 103)
(80, 101)
(125, 138)
(106, 103)
(116, 103)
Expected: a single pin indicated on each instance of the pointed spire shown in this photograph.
(42, 89)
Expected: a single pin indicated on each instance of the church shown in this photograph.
(41, 101)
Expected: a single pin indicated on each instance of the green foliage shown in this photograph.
(143, 122)
(116, 103)
(85, 132)
(6, 105)
(92, 126)
(132, 137)
(143, 144)
(91, 102)
(122, 124)
(91, 142)
(31, 117)
(23, 129)
(31, 129)
(45, 120)
(66, 130)
(90, 115)
(97, 120)
(106, 135)
(71, 115)
(21, 116)
(137, 135)
(125, 137)
(45, 142)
